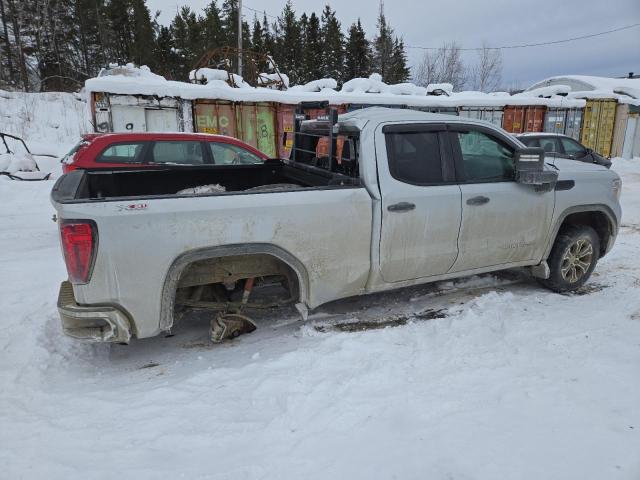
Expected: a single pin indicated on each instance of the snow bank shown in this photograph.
(407, 89)
(316, 85)
(373, 84)
(17, 162)
(50, 123)
(265, 79)
(130, 70)
(216, 78)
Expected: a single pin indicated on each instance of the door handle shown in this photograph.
(479, 200)
(401, 207)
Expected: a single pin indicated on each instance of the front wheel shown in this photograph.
(573, 257)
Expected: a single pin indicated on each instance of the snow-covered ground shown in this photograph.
(487, 378)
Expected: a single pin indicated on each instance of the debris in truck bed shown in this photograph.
(202, 190)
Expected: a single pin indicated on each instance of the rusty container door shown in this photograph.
(534, 118)
(514, 119)
(217, 117)
(597, 130)
(285, 129)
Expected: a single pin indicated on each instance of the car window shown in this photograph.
(485, 158)
(122, 153)
(571, 147)
(414, 157)
(551, 145)
(181, 152)
(228, 154)
(529, 141)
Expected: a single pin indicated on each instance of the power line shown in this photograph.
(526, 45)
(259, 11)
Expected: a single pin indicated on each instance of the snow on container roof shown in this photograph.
(590, 87)
(140, 81)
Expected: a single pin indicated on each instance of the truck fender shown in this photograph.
(181, 262)
(601, 208)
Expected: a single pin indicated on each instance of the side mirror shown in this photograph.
(530, 168)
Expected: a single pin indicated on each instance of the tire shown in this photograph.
(573, 257)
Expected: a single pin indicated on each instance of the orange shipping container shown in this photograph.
(284, 137)
(526, 118)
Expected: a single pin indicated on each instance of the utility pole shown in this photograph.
(240, 37)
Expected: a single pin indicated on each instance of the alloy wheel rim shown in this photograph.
(577, 260)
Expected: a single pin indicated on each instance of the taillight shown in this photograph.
(79, 241)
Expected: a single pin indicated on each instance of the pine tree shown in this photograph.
(332, 45)
(167, 62)
(383, 46)
(312, 55)
(187, 39)
(142, 38)
(399, 71)
(357, 53)
(289, 44)
(213, 35)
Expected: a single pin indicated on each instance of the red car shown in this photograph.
(135, 150)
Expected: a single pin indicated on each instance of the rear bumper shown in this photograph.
(96, 323)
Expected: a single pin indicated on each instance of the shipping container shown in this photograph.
(631, 147)
(215, 116)
(256, 125)
(285, 129)
(523, 118)
(137, 113)
(490, 114)
(563, 120)
(597, 126)
(626, 132)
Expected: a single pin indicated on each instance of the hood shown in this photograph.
(567, 165)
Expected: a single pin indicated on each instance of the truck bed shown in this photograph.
(104, 185)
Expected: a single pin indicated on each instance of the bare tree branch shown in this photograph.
(445, 65)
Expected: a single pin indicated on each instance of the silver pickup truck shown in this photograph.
(373, 200)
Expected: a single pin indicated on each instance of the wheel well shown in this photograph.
(230, 269)
(231, 262)
(594, 219)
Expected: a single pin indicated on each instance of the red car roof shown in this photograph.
(106, 138)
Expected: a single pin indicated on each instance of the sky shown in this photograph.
(471, 23)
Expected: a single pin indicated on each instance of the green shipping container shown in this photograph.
(257, 126)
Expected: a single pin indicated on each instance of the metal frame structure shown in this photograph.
(223, 58)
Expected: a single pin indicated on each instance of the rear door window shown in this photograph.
(414, 157)
(229, 154)
(178, 152)
(122, 153)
